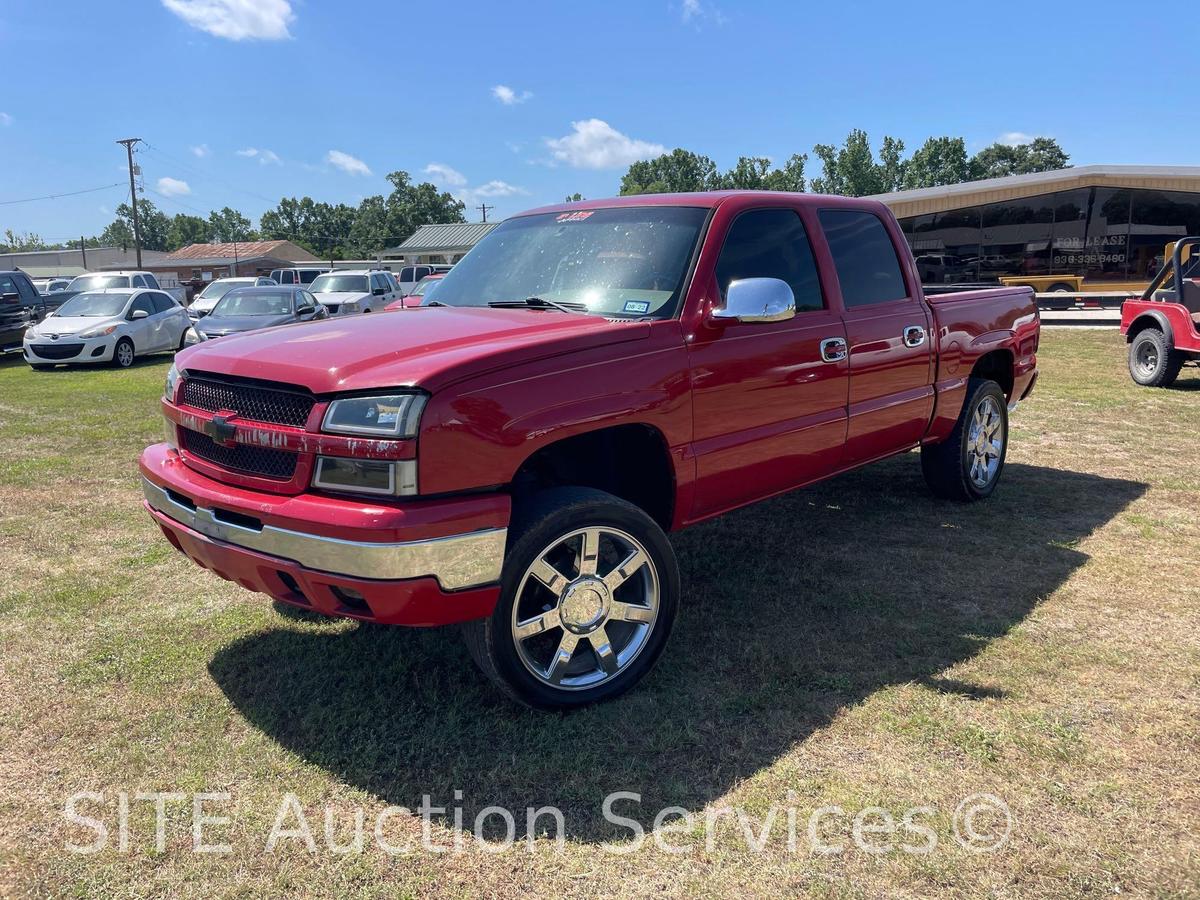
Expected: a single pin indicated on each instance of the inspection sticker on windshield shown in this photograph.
(575, 216)
(636, 306)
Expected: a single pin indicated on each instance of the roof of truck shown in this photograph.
(703, 199)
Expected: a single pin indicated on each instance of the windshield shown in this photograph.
(423, 287)
(329, 284)
(614, 262)
(253, 303)
(99, 282)
(219, 289)
(94, 305)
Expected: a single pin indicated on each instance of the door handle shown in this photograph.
(914, 336)
(834, 349)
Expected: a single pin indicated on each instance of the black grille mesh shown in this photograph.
(57, 351)
(250, 401)
(261, 461)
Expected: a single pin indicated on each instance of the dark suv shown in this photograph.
(21, 306)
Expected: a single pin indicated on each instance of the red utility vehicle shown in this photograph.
(1162, 326)
(593, 376)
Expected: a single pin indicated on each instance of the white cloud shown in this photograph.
(201, 150)
(497, 188)
(237, 20)
(443, 174)
(508, 96)
(351, 165)
(693, 12)
(594, 144)
(264, 157)
(173, 187)
(5, 119)
(1015, 138)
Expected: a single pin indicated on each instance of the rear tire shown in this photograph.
(588, 594)
(968, 464)
(1153, 362)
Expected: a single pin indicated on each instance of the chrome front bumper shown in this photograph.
(459, 561)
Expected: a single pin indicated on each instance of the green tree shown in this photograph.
(154, 225)
(22, 243)
(185, 230)
(940, 160)
(999, 160)
(228, 225)
(679, 171)
(371, 231)
(573, 198)
(851, 169)
(409, 206)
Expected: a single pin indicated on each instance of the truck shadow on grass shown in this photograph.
(794, 609)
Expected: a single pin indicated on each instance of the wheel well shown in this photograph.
(998, 367)
(1140, 324)
(629, 461)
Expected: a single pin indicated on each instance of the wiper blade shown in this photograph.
(538, 303)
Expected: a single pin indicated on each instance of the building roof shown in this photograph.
(993, 190)
(284, 250)
(200, 262)
(455, 237)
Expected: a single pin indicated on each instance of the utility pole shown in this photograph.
(483, 208)
(137, 228)
(83, 250)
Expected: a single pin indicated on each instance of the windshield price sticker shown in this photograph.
(636, 306)
(575, 216)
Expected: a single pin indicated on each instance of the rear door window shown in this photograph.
(864, 256)
(307, 275)
(771, 243)
(163, 303)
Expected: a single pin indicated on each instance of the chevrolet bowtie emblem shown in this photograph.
(221, 430)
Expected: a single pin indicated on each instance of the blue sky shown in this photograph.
(518, 104)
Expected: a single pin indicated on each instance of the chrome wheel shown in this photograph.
(1146, 358)
(985, 442)
(124, 354)
(585, 608)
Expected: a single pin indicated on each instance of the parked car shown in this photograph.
(354, 291)
(416, 298)
(298, 274)
(251, 308)
(1162, 326)
(596, 378)
(408, 277)
(109, 325)
(96, 281)
(204, 302)
(20, 306)
(47, 286)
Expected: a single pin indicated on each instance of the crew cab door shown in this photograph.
(887, 327)
(769, 409)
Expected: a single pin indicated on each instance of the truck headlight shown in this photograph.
(172, 384)
(393, 416)
(396, 478)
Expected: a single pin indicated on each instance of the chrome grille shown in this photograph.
(248, 400)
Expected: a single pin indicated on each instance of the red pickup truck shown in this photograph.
(590, 377)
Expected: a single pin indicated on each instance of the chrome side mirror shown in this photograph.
(757, 300)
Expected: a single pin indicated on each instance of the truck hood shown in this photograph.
(426, 347)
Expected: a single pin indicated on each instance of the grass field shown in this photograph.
(856, 645)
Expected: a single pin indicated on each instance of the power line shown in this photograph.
(196, 173)
(103, 187)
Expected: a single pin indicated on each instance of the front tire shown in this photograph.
(588, 594)
(968, 464)
(1153, 362)
(123, 354)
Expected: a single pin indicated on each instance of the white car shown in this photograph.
(208, 297)
(96, 281)
(114, 325)
(354, 291)
(46, 286)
